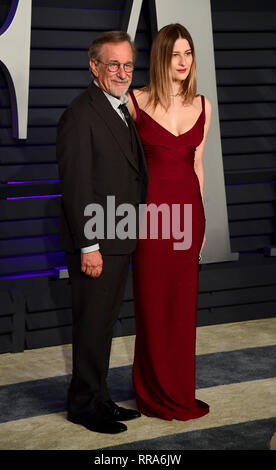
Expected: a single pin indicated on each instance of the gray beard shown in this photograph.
(117, 93)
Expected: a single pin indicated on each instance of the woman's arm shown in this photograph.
(198, 163)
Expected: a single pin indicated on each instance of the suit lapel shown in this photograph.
(115, 124)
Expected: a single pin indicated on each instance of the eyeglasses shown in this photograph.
(115, 66)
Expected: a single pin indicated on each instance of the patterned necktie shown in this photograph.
(125, 112)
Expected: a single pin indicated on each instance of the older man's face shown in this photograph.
(114, 83)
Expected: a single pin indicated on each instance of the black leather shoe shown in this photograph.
(96, 422)
(117, 413)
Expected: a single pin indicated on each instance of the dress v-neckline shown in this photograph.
(169, 132)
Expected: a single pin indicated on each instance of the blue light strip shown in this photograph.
(33, 197)
(26, 275)
(32, 181)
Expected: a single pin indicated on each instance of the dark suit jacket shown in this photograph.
(95, 160)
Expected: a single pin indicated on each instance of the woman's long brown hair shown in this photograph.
(160, 86)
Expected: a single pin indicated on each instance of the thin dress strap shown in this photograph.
(203, 106)
(136, 106)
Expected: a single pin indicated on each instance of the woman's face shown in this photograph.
(182, 60)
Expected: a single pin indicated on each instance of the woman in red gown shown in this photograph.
(173, 122)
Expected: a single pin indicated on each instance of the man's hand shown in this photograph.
(92, 263)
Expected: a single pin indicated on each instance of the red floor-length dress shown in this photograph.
(165, 280)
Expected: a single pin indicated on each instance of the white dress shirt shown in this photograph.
(115, 103)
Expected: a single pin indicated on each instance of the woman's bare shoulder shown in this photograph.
(140, 92)
(207, 101)
(141, 95)
(208, 105)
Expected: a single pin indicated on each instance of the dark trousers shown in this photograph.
(95, 306)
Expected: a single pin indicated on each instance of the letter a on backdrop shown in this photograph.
(15, 37)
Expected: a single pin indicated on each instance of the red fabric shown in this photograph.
(165, 281)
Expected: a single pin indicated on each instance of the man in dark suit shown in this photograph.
(99, 155)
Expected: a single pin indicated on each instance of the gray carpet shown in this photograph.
(38, 397)
(253, 435)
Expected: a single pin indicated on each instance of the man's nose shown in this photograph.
(121, 72)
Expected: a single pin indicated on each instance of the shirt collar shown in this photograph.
(115, 102)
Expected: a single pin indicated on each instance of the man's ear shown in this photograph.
(93, 67)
